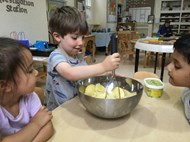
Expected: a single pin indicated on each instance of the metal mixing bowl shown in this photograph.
(111, 108)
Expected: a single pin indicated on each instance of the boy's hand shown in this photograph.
(111, 62)
(42, 117)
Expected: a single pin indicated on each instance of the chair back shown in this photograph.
(144, 74)
(40, 92)
(123, 38)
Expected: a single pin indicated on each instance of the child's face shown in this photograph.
(179, 71)
(167, 24)
(26, 81)
(71, 43)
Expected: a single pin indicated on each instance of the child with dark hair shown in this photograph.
(22, 116)
(68, 27)
(165, 30)
(179, 70)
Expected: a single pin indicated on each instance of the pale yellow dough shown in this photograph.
(99, 91)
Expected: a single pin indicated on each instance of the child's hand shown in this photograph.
(111, 62)
(105, 74)
(42, 117)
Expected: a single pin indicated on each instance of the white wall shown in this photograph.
(33, 23)
(97, 14)
(100, 14)
(89, 11)
(157, 7)
(90, 14)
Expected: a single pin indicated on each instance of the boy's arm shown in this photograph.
(80, 72)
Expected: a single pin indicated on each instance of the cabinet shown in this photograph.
(178, 12)
(126, 25)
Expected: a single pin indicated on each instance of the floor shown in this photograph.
(127, 68)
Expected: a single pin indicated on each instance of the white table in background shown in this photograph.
(158, 48)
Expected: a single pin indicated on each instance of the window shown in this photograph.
(88, 3)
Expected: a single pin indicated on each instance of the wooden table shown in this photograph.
(103, 39)
(153, 120)
(89, 39)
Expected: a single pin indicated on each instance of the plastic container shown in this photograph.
(153, 87)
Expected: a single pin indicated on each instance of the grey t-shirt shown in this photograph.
(186, 101)
(58, 88)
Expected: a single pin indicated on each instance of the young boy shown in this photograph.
(68, 27)
(179, 70)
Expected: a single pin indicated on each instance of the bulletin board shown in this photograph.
(111, 11)
(53, 5)
(140, 3)
(139, 14)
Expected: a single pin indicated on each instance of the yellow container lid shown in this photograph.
(153, 83)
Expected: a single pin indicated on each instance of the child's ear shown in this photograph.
(57, 37)
(5, 86)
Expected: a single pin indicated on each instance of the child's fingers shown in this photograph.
(116, 55)
(42, 107)
(46, 110)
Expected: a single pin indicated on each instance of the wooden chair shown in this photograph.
(89, 45)
(144, 74)
(40, 92)
(151, 56)
(41, 67)
(124, 47)
(88, 59)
